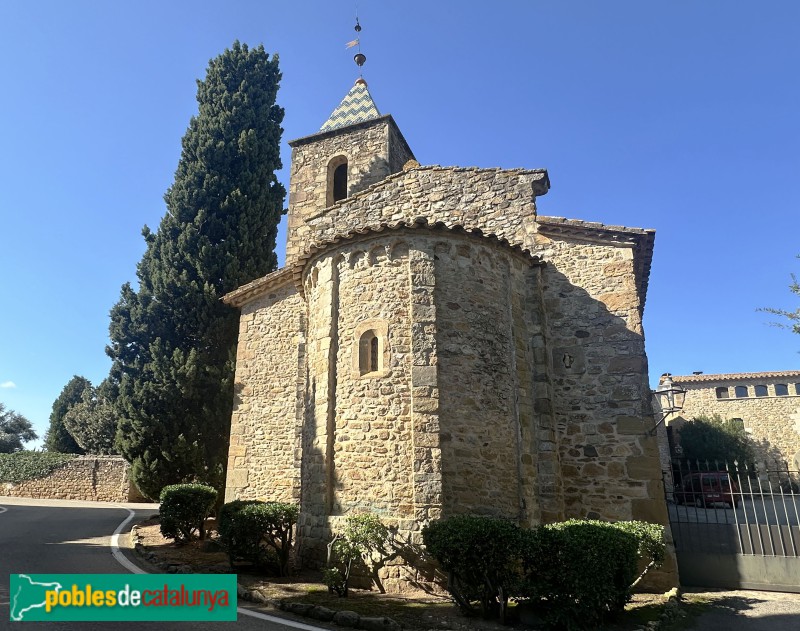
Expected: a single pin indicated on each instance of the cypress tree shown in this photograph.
(172, 339)
(58, 438)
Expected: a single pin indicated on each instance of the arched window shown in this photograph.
(797, 388)
(369, 352)
(781, 390)
(761, 391)
(722, 392)
(337, 180)
(741, 392)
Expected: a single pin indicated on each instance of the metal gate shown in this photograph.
(735, 527)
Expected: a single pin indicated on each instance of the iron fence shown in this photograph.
(732, 508)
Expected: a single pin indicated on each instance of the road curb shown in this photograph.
(130, 541)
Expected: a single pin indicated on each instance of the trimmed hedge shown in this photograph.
(576, 574)
(259, 532)
(31, 465)
(480, 556)
(184, 509)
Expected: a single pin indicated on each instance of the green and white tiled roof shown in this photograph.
(356, 107)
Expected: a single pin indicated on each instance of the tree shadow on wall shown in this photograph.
(377, 170)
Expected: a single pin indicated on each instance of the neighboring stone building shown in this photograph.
(768, 403)
(434, 347)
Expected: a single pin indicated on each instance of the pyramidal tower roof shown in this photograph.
(356, 107)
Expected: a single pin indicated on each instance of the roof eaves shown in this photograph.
(741, 376)
(642, 239)
(252, 290)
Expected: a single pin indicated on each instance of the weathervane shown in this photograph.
(359, 57)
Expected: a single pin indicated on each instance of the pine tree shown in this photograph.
(173, 340)
(58, 438)
(15, 429)
(93, 421)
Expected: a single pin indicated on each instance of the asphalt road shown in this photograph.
(62, 537)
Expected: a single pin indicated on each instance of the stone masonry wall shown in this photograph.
(399, 151)
(495, 201)
(358, 447)
(373, 454)
(88, 478)
(447, 423)
(772, 422)
(484, 353)
(366, 148)
(610, 465)
(264, 453)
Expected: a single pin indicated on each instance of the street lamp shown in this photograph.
(669, 399)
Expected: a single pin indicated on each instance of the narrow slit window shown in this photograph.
(373, 354)
(369, 352)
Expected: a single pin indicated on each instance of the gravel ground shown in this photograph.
(747, 610)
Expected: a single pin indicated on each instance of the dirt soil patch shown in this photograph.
(415, 610)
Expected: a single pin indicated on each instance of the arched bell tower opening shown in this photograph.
(337, 180)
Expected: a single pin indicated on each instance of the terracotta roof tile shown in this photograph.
(736, 376)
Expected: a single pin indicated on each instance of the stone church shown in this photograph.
(434, 346)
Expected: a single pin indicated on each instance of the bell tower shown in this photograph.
(355, 148)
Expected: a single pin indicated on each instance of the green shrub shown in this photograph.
(363, 535)
(184, 509)
(650, 538)
(259, 532)
(579, 573)
(481, 557)
(715, 440)
(31, 465)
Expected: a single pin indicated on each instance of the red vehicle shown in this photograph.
(705, 489)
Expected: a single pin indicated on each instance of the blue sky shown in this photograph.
(680, 116)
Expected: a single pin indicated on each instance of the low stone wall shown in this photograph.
(92, 478)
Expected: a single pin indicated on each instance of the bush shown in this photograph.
(716, 440)
(184, 508)
(576, 573)
(362, 536)
(259, 532)
(30, 465)
(651, 546)
(481, 556)
(580, 573)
